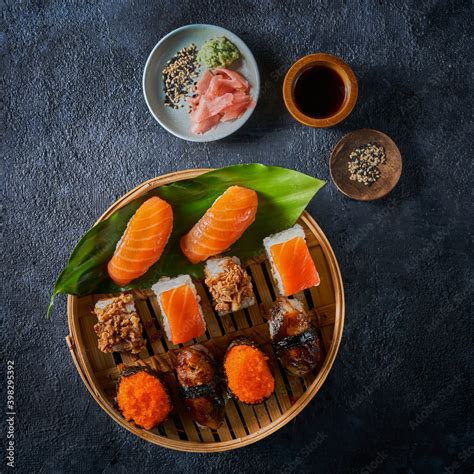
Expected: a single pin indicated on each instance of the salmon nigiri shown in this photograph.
(182, 315)
(222, 224)
(292, 265)
(143, 241)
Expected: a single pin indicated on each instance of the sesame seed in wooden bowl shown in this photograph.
(351, 173)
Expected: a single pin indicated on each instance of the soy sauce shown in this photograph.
(319, 92)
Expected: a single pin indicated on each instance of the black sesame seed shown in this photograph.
(178, 76)
(363, 163)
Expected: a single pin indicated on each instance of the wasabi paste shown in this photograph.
(218, 52)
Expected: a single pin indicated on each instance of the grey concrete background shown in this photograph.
(77, 135)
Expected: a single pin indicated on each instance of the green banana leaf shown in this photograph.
(282, 196)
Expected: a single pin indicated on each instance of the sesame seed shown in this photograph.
(364, 161)
(178, 76)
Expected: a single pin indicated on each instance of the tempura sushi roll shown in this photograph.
(143, 397)
(119, 328)
(294, 339)
(199, 386)
(179, 304)
(247, 372)
(292, 265)
(229, 284)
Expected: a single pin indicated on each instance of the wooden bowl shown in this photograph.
(341, 68)
(390, 172)
(243, 424)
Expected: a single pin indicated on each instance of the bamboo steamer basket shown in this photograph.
(243, 424)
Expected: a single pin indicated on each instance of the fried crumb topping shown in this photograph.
(118, 329)
(230, 287)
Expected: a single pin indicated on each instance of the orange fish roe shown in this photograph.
(142, 398)
(248, 374)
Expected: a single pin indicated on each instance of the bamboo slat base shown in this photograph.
(243, 424)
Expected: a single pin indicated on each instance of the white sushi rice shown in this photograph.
(102, 304)
(165, 284)
(216, 266)
(280, 238)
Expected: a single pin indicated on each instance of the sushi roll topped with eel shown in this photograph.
(294, 339)
(199, 387)
(247, 371)
(183, 319)
(229, 284)
(293, 267)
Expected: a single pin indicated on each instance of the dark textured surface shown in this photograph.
(78, 136)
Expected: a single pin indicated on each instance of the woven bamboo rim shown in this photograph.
(244, 425)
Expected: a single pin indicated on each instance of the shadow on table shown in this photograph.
(270, 114)
(387, 103)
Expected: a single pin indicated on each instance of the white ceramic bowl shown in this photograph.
(177, 121)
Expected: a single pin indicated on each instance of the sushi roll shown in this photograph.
(143, 241)
(222, 225)
(294, 339)
(179, 304)
(119, 328)
(143, 398)
(199, 388)
(229, 284)
(292, 265)
(247, 372)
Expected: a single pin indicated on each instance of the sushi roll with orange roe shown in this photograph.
(143, 398)
(247, 372)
